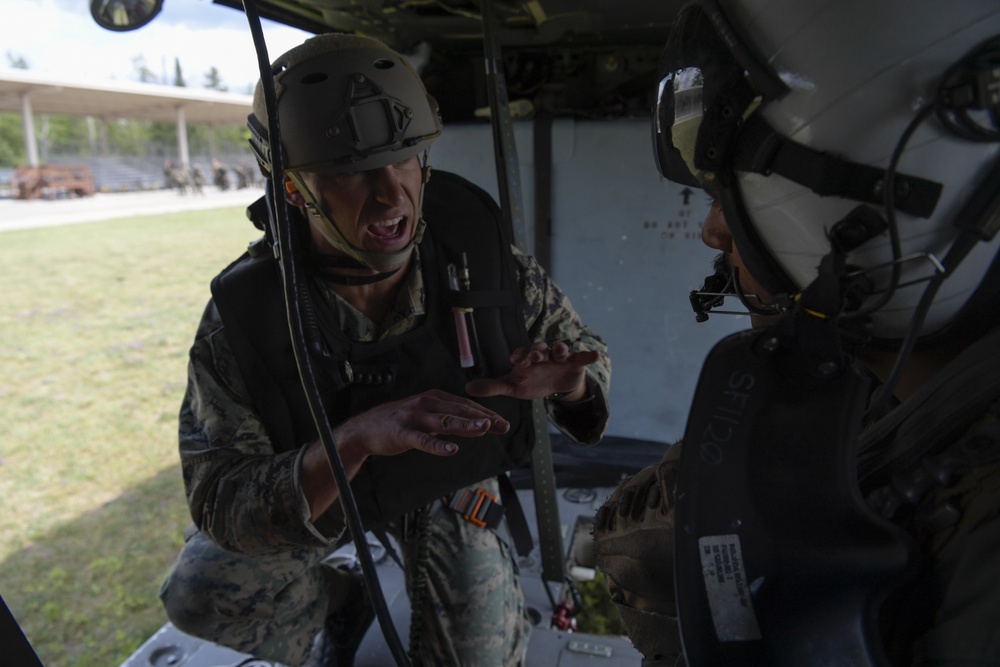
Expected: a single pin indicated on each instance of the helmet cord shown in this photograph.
(296, 302)
(960, 248)
(889, 203)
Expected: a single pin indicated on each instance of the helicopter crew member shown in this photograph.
(857, 193)
(357, 124)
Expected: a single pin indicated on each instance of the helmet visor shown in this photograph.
(709, 81)
(676, 124)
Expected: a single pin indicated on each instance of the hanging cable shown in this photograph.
(286, 245)
(959, 249)
(961, 89)
(889, 203)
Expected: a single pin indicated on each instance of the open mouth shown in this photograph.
(388, 230)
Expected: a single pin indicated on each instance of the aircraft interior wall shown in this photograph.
(626, 248)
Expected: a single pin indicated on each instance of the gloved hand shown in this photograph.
(634, 544)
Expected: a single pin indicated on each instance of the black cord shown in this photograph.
(889, 203)
(960, 90)
(295, 292)
(880, 399)
(964, 244)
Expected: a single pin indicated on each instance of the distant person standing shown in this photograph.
(182, 178)
(197, 180)
(241, 177)
(251, 172)
(220, 174)
(168, 175)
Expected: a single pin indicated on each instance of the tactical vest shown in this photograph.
(461, 218)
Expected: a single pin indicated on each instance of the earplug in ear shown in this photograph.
(290, 187)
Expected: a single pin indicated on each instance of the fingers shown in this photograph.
(558, 352)
(450, 424)
(486, 387)
(447, 414)
(436, 412)
(539, 371)
(415, 423)
(584, 357)
(435, 446)
(442, 413)
(539, 351)
(561, 353)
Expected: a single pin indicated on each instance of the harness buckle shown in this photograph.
(477, 506)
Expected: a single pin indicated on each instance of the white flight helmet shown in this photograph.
(798, 113)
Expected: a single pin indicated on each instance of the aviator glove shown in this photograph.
(634, 544)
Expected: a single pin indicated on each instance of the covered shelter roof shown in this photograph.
(30, 93)
(119, 99)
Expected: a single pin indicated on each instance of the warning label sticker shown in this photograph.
(727, 588)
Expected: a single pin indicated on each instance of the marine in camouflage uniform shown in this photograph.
(357, 124)
(253, 578)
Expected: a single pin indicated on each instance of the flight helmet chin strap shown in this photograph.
(383, 262)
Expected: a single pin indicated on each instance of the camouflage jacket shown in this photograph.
(246, 497)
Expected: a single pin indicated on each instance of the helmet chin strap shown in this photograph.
(377, 261)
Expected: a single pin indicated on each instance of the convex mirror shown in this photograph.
(122, 15)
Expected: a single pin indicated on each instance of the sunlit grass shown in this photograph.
(95, 324)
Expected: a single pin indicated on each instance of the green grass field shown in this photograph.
(95, 324)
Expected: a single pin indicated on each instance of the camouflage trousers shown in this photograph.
(469, 606)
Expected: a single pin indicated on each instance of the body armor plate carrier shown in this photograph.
(461, 218)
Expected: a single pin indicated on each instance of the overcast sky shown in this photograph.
(59, 37)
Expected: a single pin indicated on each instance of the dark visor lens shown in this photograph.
(693, 65)
(679, 113)
(670, 124)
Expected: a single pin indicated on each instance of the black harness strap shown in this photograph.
(761, 150)
(542, 145)
(509, 184)
(517, 524)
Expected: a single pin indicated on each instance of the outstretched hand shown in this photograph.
(394, 428)
(538, 372)
(413, 422)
